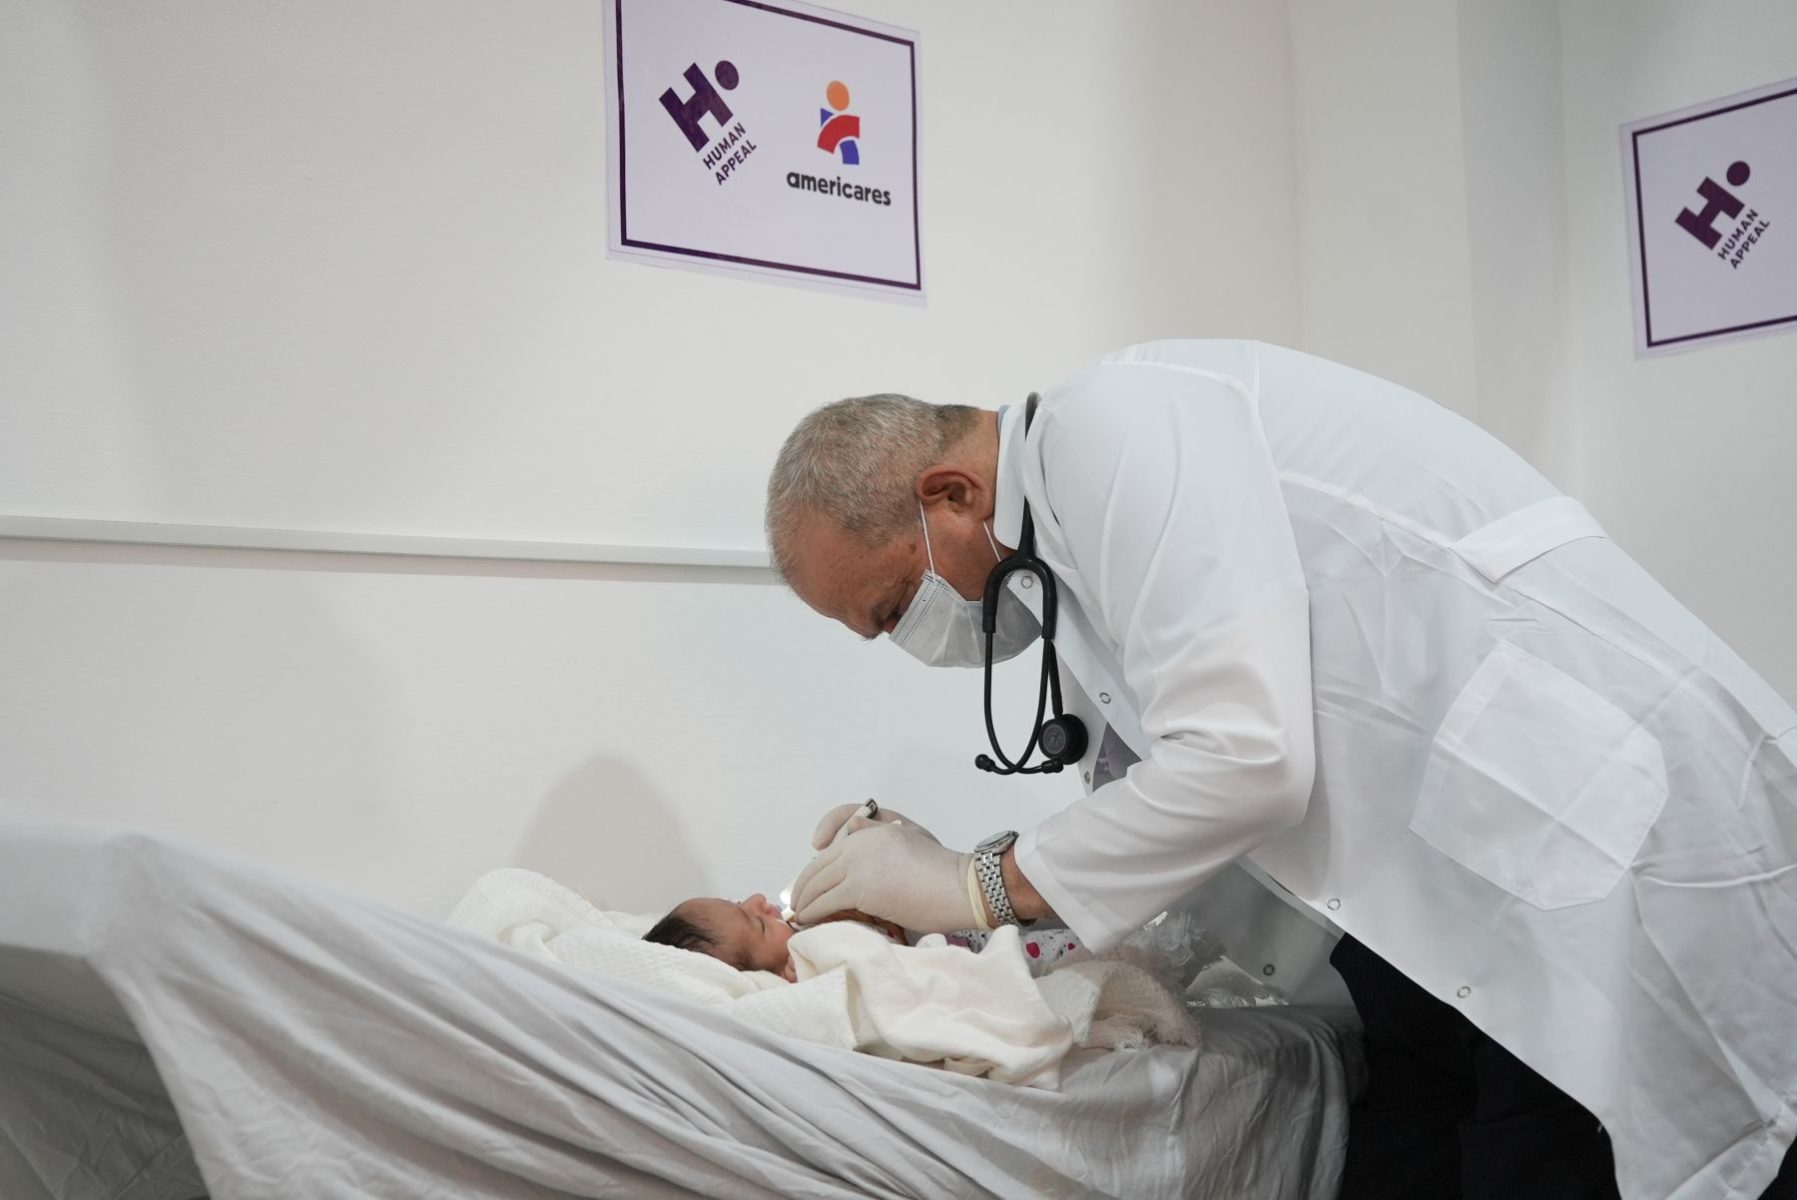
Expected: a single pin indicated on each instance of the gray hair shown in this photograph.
(854, 462)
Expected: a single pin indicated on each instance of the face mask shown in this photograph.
(942, 628)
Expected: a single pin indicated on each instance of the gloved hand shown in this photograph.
(845, 819)
(896, 872)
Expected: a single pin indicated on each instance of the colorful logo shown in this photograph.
(840, 131)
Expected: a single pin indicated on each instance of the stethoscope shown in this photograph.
(1061, 738)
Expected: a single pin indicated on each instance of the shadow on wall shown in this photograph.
(605, 832)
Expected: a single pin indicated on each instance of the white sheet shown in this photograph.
(321, 1045)
(979, 1014)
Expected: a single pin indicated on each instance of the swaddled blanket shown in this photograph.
(934, 1003)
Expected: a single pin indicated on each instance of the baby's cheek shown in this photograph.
(775, 954)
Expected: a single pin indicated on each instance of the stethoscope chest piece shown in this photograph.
(1063, 739)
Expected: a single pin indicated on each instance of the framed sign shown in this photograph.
(1712, 204)
(766, 138)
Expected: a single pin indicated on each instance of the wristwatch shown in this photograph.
(987, 865)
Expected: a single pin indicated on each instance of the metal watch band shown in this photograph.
(987, 865)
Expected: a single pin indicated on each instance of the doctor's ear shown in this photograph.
(954, 486)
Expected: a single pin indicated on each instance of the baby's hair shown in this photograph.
(675, 930)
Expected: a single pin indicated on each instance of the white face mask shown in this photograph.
(941, 628)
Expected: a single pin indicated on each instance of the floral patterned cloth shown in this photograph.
(1043, 946)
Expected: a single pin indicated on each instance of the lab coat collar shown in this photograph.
(1007, 505)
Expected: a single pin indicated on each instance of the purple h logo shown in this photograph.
(705, 99)
(1718, 201)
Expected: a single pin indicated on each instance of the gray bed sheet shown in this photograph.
(177, 1023)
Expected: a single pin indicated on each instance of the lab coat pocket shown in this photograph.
(1538, 784)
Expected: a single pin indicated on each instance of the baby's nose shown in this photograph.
(757, 901)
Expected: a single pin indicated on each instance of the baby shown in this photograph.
(748, 934)
(751, 936)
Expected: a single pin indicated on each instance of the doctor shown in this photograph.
(1321, 628)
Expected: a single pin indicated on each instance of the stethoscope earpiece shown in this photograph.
(1061, 739)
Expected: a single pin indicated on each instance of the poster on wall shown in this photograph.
(764, 138)
(1712, 204)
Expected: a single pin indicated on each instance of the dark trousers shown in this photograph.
(1448, 1114)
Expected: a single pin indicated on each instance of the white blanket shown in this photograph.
(980, 1014)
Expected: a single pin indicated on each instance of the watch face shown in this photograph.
(998, 841)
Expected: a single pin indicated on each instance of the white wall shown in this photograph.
(1686, 459)
(1431, 204)
(1460, 196)
(397, 727)
(1382, 213)
(341, 265)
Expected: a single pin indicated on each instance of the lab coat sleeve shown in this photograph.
(1165, 492)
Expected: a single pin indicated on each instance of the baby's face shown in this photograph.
(749, 933)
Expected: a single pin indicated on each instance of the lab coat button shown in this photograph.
(1464, 992)
(1267, 970)
(1088, 776)
(1334, 904)
(1104, 697)
(1029, 581)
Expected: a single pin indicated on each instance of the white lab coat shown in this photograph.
(1356, 640)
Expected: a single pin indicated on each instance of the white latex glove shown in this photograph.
(896, 872)
(845, 819)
